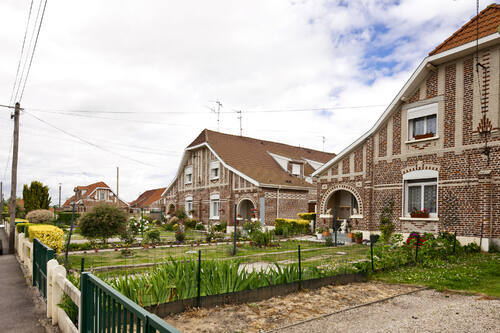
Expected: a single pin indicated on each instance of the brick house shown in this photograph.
(91, 195)
(149, 201)
(263, 179)
(427, 148)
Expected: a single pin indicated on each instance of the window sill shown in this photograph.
(356, 216)
(214, 218)
(422, 140)
(428, 219)
(188, 183)
(214, 178)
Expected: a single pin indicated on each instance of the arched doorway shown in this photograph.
(342, 205)
(245, 209)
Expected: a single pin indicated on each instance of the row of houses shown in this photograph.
(426, 157)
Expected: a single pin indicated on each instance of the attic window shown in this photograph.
(188, 175)
(214, 170)
(295, 169)
(422, 122)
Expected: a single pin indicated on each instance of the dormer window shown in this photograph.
(214, 170)
(422, 122)
(296, 169)
(102, 195)
(188, 175)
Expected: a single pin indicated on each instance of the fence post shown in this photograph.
(454, 241)
(82, 265)
(235, 228)
(85, 304)
(371, 251)
(35, 261)
(416, 250)
(198, 296)
(300, 266)
(335, 230)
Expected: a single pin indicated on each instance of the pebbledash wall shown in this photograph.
(232, 189)
(468, 190)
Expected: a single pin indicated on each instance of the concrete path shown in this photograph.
(20, 310)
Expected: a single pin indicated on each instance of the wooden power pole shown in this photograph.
(13, 186)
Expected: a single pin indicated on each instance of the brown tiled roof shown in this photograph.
(90, 188)
(147, 198)
(251, 157)
(489, 20)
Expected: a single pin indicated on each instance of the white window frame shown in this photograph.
(102, 196)
(214, 165)
(214, 211)
(421, 112)
(296, 172)
(189, 205)
(425, 176)
(188, 171)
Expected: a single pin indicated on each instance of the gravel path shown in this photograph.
(423, 311)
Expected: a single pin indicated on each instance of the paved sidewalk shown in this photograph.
(18, 309)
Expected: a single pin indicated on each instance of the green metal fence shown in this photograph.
(41, 255)
(103, 309)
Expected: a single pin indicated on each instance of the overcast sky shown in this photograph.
(166, 62)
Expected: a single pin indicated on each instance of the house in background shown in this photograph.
(427, 150)
(149, 202)
(264, 180)
(91, 195)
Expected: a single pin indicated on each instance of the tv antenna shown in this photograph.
(217, 111)
(240, 117)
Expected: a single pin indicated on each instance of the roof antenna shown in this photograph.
(484, 128)
(219, 106)
(240, 117)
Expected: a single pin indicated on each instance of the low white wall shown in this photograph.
(57, 285)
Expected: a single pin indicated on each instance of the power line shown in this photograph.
(89, 142)
(34, 48)
(8, 160)
(21, 55)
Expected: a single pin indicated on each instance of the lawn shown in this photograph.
(312, 253)
(475, 273)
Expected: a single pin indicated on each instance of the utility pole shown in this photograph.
(13, 187)
(1, 203)
(240, 117)
(117, 184)
(60, 195)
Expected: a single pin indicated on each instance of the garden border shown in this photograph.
(253, 295)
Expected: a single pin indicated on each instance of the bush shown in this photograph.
(65, 218)
(190, 223)
(102, 222)
(153, 237)
(329, 241)
(180, 235)
(49, 235)
(40, 216)
(174, 220)
(220, 227)
(199, 226)
(294, 227)
(307, 216)
(250, 227)
(20, 227)
(169, 227)
(181, 213)
(386, 226)
(262, 238)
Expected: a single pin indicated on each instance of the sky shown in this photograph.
(130, 84)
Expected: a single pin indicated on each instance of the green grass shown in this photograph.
(475, 273)
(312, 254)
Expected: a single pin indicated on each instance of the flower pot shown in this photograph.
(326, 233)
(423, 136)
(319, 236)
(359, 240)
(419, 215)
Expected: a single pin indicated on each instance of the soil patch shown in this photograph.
(284, 310)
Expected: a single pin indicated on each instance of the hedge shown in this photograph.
(307, 216)
(49, 235)
(293, 226)
(20, 226)
(65, 218)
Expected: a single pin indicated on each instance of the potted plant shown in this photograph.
(326, 232)
(424, 213)
(319, 233)
(358, 236)
(239, 218)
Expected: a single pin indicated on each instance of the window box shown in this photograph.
(421, 215)
(424, 136)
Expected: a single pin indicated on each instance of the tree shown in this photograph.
(102, 222)
(36, 196)
(386, 225)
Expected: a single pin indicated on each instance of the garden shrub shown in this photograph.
(262, 238)
(174, 220)
(180, 235)
(250, 227)
(153, 237)
(294, 226)
(40, 216)
(199, 226)
(181, 213)
(102, 222)
(65, 218)
(306, 216)
(138, 225)
(190, 223)
(20, 226)
(220, 226)
(386, 226)
(49, 235)
(329, 241)
(169, 227)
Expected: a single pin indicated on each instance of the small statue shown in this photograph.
(343, 226)
(328, 211)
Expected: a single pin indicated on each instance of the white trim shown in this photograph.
(420, 174)
(411, 84)
(422, 111)
(429, 219)
(423, 140)
(281, 160)
(314, 164)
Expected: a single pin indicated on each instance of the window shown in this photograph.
(188, 175)
(422, 122)
(214, 170)
(420, 194)
(295, 169)
(189, 205)
(101, 195)
(214, 206)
